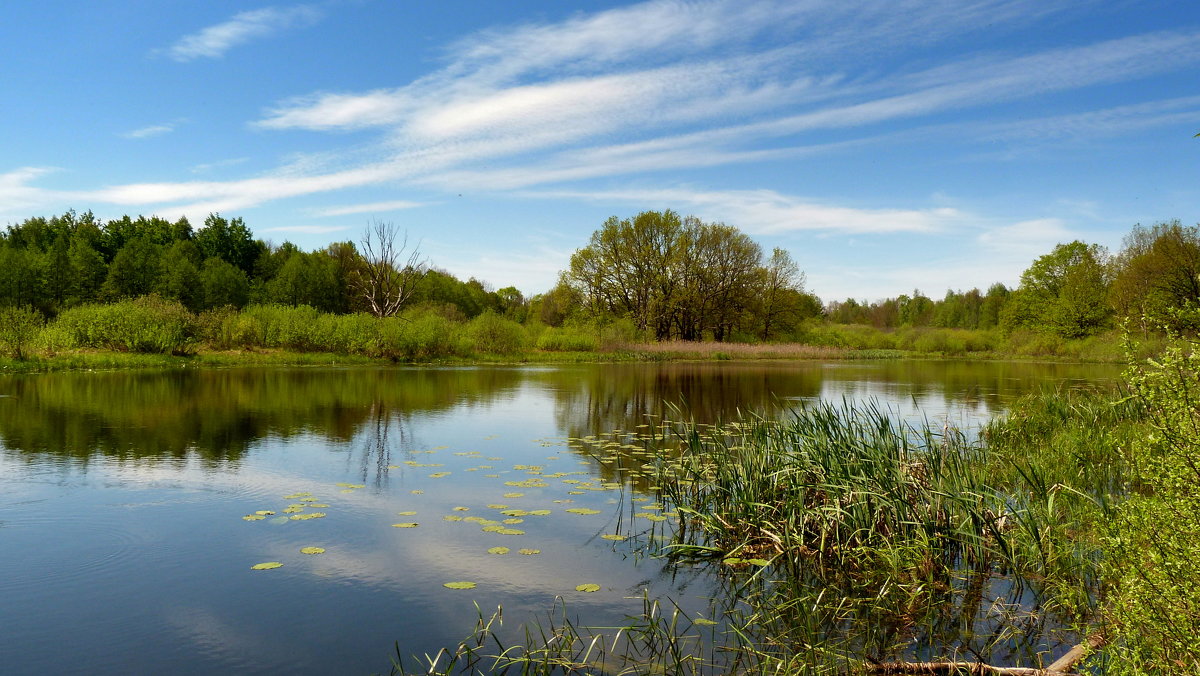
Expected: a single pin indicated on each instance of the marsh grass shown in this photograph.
(841, 537)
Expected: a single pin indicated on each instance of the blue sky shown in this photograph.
(887, 145)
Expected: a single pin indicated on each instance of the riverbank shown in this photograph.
(150, 332)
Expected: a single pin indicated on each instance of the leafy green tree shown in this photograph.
(58, 275)
(180, 275)
(88, 271)
(671, 276)
(1064, 292)
(1157, 271)
(229, 240)
(134, 270)
(21, 277)
(778, 309)
(223, 284)
(305, 279)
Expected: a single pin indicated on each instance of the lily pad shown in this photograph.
(294, 496)
(703, 621)
(458, 585)
(758, 562)
(583, 510)
(539, 512)
(253, 517)
(497, 506)
(346, 485)
(294, 510)
(513, 522)
(313, 550)
(410, 512)
(529, 552)
(317, 505)
(514, 495)
(493, 529)
(266, 566)
(589, 587)
(498, 550)
(613, 536)
(265, 512)
(439, 475)
(405, 525)
(462, 509)
(417, 491)
(452, 517)
(306, 517)
(510, 531)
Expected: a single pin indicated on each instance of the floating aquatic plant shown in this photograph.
(312, 550)
(529, 552)
(266, 566)
(498, 550)
(589, 587)
(408, 524)
(458, 585)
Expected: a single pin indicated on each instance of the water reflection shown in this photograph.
(220, 414)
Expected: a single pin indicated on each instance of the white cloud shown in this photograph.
(308, 229)
(768, 212)
(371, 207)
(212, 42)
(1027, 240)
(152, 130)
(655, 86)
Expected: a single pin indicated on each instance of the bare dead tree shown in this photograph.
(389, 272)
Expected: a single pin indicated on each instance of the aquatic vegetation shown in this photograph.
(529, 552)
(312, 550)
(583, 510)
(498, 550)
(407, 524)
(306, 517)
(269, 565)
(588, 587)
(459, 585)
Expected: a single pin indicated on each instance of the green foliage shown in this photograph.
(1154, 534)
(494, 334)
(18, 328)
(147, 324)
(567, 340)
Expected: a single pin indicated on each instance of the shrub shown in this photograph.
(19, 326)
(491, 333)
(146, 324)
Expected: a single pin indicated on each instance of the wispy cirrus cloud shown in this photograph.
(769, 212)
(212, 42)
(663, 85)
(371, 207)
(149, 131)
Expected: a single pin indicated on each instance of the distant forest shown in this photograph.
(662, 275)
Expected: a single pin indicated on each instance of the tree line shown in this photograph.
(53, 264)
(1074, 291)
(662, 275)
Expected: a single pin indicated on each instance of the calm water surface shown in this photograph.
(123, 547)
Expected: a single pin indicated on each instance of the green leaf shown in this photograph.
(583, 510)
(266, 566)
(589, 587)
(405, 525)
(459, 585)
(313, 550)
(529, 552)
(498, 550)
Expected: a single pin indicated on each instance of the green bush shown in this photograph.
(284, 326)
(490, 333)
(1156, 572)
(146, 324)
(19, 326)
